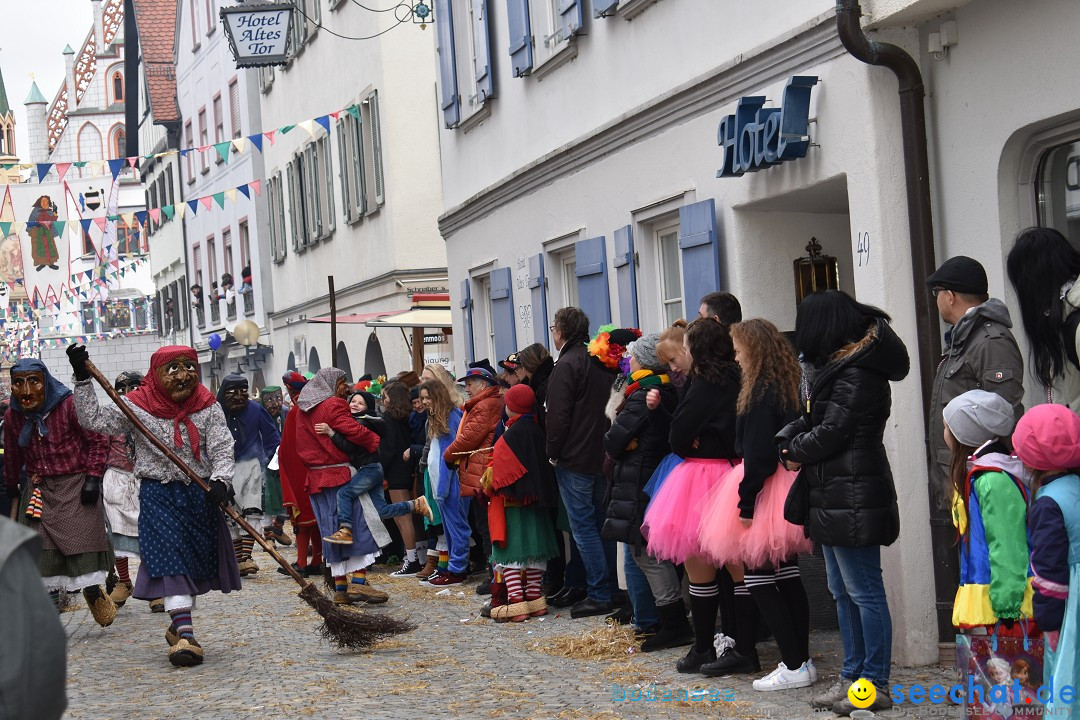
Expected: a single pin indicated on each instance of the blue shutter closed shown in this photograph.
(592, 281)
(448, 88)
(538, 288)
(502, 313)
(466, 321)
(485, 78)
(570, 10)
(626, 276)
(700, 260)
(603, 8)
(521, 46)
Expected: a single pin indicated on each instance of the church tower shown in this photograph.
(8, 154)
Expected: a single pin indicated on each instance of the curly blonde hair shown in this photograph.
(438, 422)
(768, 361)
(443, 375)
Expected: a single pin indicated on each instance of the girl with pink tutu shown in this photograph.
(703, 433)
(743, 523)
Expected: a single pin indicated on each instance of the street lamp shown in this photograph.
(246, 333)
(258, 32)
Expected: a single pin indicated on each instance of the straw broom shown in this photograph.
(344, 628)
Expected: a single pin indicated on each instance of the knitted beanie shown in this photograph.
(643, 350)
(1048, 438)
(978, 416)
(520, 399)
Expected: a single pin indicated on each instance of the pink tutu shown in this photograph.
(672, 519)
(769, 540)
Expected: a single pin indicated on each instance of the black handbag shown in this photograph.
(797, 504)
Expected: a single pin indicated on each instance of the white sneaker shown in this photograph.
(784, 679)
(809, 664)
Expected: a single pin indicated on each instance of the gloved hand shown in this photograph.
(91, 490)
(219, 492)
(78, 357)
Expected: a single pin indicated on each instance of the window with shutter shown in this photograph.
(313, 196)
(502, 312)
(570, 16)
(699, 250)
(234, 108)
(296, 205)
(538, 289)
(592, 281)
(448, 87)
(204, 140)
(326, 163)
(521, 42)
(603, 8)
(626, 276)
(343, 167)
(190, 135)
(376, 148)
(219, 122)
(467, 320)
(483, 77)
(359, 165)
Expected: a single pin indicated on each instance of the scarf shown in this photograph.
(320, 388)
(55, 392)
(151, 397)
(644, 379)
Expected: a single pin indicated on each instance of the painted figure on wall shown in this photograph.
(11, 260)
(43, 234)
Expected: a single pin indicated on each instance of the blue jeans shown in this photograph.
(368, 479)
(637, 588)
(583, 496)
(854, 575)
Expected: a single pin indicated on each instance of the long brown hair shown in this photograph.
(398, 405)
(767, 361)
(958, 469)
(441, 407)
(712, 352)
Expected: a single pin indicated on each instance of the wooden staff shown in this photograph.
(342, 627)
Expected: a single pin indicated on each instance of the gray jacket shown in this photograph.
(33, 664)
(980, 352)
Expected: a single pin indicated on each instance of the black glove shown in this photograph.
(78, 357)
(91, 489)
(219, 492)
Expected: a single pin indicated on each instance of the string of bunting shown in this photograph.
(81, 284)
(26, 346)
(224, 149)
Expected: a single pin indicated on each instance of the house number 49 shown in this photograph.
(862, 248)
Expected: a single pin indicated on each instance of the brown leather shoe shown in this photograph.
(341, 537)
(421, 507)
(430, 566)
(366, 593)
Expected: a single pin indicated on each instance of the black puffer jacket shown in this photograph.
(637, 442)
(539, 384)
(839, 443)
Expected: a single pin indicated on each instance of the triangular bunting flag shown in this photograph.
(239, 144)
(5, 228)
(256, 140)
(184, 152)
(256, 185)
(61, 170)
(269, 135)
(155, 214)
(86, 224)
(230, 195)
(219, 198)
(60, 225)
(194, 205)
(206, 201)
(223, 150)
(80, 164)
(307, 126)
(132, 160)
(286, 129)
(336, 114)
(43, 170)
(140, 217)
(203, 148)
(115, 166)
(353, 110)
(324, 120)
(243, 191)
(168, 210)
(100, 222)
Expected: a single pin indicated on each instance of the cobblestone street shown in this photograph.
(265, 659)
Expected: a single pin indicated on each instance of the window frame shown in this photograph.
(193, 5)
(118, 95)
(211, 26)
(658, 232)
(276, 206)
(235, 116)
(218, 106)
(189, 133)
(204, 141)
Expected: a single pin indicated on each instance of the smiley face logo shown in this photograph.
(862, 693)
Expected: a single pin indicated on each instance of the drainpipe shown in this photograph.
(923, 264)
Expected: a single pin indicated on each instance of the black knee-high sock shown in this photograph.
(789, 584)
(704, 600)
(746, 616)
(727, 602)
(774, 607)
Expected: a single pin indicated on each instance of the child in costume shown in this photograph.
(270, 397)
(522, 489)
(1047, 440)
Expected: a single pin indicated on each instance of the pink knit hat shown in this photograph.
(1048, 438)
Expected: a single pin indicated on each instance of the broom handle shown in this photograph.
(156, 442)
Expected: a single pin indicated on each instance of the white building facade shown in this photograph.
(219, 103)
(355, 194)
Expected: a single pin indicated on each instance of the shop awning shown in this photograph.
(430, 310)
(351, 319)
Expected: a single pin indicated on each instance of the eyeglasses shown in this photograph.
(551, 328)
(935, 291)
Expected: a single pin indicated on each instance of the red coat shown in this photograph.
(317, 452)
(294, 473)
(477, 431)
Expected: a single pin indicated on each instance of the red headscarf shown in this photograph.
(151, 396)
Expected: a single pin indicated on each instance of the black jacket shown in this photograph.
(755, 431)
(358, 456)
(392, 446)
(575, 423)
(852, 498)
(637, 442)
(539, 384)
(706, 414)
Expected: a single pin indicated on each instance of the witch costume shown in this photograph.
(185, 544)
(59, 457)
(270, 397)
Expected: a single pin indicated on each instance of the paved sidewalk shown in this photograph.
(264, 659)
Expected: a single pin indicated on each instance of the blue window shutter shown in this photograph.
(626, 276)
(592, 281)
(603, 8)
(570, 10)
(502, 312)
(700, 258)
(538, 288)
(485, 78)
(448, 88)
(521, 45)
(466, 316)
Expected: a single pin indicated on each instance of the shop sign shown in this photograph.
(258, 33)
(757, 137)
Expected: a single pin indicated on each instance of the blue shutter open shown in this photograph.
(485, 78)
(466, 318)
(538, 288)
(448, 87)
(603, 8)
(592, 281)
(502, 312)
(521, 48)
(700, 258)
(570, 10)
(626, 276)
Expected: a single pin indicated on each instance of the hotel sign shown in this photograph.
(757, 137)
(258, 32)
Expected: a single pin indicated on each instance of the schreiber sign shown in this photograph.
(258, 33)
(757, 137)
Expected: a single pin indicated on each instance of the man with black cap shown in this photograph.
(979, 352)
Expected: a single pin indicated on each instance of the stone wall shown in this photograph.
(111, 356)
